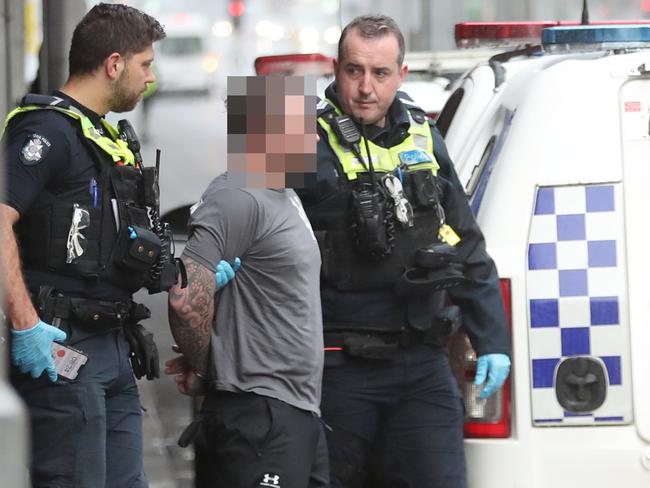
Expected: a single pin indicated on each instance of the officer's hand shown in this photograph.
(31, 349)
(496, 368)
(225, 272)
(144, 353)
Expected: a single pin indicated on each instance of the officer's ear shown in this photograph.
(403, 72)
(114, 65)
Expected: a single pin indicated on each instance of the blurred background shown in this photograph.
(209, 40)
(184, 116)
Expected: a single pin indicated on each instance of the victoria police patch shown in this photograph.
(34, 150)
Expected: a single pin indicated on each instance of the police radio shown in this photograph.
(127, 134)
(372, 217)
(164, 272)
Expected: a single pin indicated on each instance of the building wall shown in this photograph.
(13, 422)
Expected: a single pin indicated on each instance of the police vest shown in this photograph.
(345, 266)
(106, 233)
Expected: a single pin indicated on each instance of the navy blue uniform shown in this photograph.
(66, 166)
(398, 422)
(86, 432)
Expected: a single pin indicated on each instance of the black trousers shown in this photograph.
(250, 441)
(395, 423)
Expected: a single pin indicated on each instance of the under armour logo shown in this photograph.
(272, 480)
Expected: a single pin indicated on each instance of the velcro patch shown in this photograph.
(415, 156)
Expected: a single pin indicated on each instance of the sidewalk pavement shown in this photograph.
(158, 462)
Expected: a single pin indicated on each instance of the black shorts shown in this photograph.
(251, 441)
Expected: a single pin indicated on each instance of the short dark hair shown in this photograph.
(109, 28)
(371, 27)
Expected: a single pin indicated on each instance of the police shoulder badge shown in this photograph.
(34, 149)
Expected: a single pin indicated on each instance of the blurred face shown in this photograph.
(132, 82)
(368, 76)
(272, 131)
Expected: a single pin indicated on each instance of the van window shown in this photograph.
(449, 110)
(181, 46)
(477, 172)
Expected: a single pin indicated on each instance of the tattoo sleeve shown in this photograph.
(191, 312)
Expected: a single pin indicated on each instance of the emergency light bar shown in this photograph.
(295, 64)
(590, 38)
(474, 34)
(496, 34)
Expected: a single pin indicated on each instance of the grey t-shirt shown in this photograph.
(267, 336)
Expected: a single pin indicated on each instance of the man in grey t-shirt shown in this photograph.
(267, 336)
(255, 344)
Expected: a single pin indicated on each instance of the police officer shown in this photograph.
(397, 240)
(78, 213)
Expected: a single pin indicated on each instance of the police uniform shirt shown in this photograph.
(383, 309)
(47, 157)
(268, 333)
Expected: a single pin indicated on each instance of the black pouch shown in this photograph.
(369, 347)
(446, 324)
(128, 185)
(436, 255)
(96, 313)
(151, 187)
(142, 252)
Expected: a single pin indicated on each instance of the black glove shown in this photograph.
(144, 353)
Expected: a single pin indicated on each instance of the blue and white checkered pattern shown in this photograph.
(576, 283)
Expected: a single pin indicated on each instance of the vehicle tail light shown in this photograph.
(489, 418)
(295, 64)
(236, 8)
(473, 34)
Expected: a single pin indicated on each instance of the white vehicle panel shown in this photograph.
(634, 110)
(562, 198)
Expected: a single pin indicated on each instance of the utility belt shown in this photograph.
(384, 345)
(54, 307)
(101, 315)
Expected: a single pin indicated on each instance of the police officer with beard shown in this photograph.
(399, 243)
(80, 214)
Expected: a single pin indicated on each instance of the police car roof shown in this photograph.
(482, 99)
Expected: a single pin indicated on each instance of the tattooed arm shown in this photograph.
(191, 312)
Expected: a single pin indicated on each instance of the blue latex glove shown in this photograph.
(225, 272)
(31, 349)
(496, 368)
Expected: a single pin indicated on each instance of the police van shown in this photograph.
(185, 62)
(552, 143)
(432, 74)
